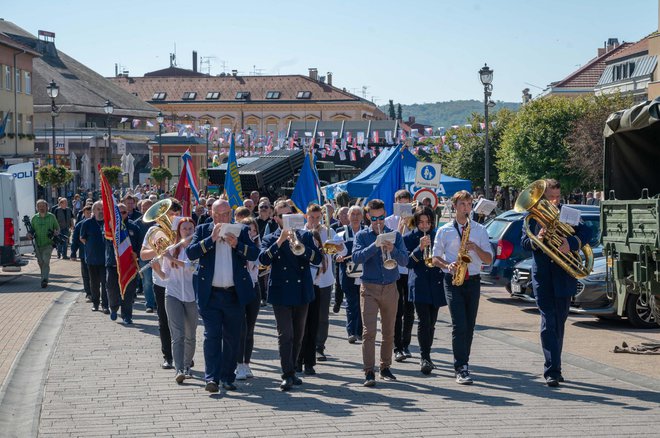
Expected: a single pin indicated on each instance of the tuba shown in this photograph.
(160, 238)
(547, 215)
(463, 259)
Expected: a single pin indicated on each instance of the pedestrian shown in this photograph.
(92, 235)
(378, 292)
(147, 274)
(177, 271)
(64, 217)
(553, 286)
(45, 227)
(78, 247)
(456, 237)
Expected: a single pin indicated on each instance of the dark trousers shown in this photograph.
(405, 315)
(246, 343)
(554, 312)
(427, 315)
(97, 285)
(324, 317)
(463, 302)
(63, 247)
(307, 355)
(163, 325)
(263, 285)
(222, 316)
(84, 270)
(115, 299)
(353, 312)
(339, 293)
(290, 330)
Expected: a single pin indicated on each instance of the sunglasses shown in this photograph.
(263, 207)
(378, 218)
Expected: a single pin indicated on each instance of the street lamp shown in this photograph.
(249, 137)
(160, 119)
(486, 76)
(53, 91)
(109, 109)
(207, 129)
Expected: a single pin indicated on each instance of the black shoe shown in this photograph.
(336, 308)
(88, 298)
(263, 303)
(352, 339)
(399, 356)
(309, 371)
(95, 308)
(386, 374)
(407, 353)
(106, 311)
(166, 365)
(192, 363)
(299, 368)
(560, 379)
(286, 384)
(370, 379)
(65, 258)
(297, 381)
(44, 284)
(427, 367)
(211, 386)
(463, 376)
(320, 356)
(552, 382)
(149, 310)
(228, 386)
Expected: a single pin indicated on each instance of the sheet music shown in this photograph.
(485, 206)
(570, 216)
(234, 229)
(402, 210)
(293, 221)
(385, 237)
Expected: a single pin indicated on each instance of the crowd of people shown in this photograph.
(229, 263)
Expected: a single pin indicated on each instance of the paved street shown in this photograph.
(103, 379)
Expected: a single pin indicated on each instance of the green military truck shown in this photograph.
(630, 212)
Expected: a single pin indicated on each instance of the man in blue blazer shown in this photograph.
(553, 288)
(290, 290)
(223, 287)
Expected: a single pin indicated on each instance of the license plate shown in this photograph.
(516, 288)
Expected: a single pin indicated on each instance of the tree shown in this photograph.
(111, 174)
(399, 112)
(56, 176)
(160, 174)
(391, 110)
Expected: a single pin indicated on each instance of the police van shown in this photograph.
(10, 259)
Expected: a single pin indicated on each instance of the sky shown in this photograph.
(415, 51)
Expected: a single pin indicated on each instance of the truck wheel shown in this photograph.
(639, 315)
(654, 303)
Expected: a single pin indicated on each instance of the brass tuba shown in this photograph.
(547, 215)
(162, 236)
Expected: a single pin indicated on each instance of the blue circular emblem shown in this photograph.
(428, 173)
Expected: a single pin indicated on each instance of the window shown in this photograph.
(17, 72)
(213, 95)
(2, 69)
(174, 165)
(7, 77)
(631, 68)
(19, 122)
(159, 95)
(304, 95)
(273, 95)
(28, 82)
(243, 95)
(29, 125)
(189, 95)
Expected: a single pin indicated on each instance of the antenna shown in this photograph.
(173, 57)
(205, 64)
(535, 86)
(257, 71)
(223, 65)
(364, 91)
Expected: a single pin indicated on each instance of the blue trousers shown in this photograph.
(463, 303)
(353, 314)
(554, 312)
(148, 286)
(222, 316)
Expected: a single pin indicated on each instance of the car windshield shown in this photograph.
(496, 228)
(593, 223)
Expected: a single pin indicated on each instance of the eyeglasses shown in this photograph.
(263, 207)
(378, 218)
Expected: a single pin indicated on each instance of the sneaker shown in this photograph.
(166, 365)
(240, 372)
(352, 339)
(149, 310)
(95, 308)
(370, 379)
(113, 315)
(180, 377)
(463, 376)
(426, 366)
(286, 384)
(552, 381)
(407, 353)
(106, 311)
(386, 374)
(248, 371)
(399, 356)
(187, 373)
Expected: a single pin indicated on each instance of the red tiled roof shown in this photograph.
(587, 76)
(639, 47)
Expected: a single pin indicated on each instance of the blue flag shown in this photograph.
(393, 180)
(232, 179)
(308, 188)
(3, 125)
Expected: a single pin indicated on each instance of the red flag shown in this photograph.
(376, 137)
(116, 231)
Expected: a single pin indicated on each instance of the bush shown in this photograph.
(160, 174)
(112, 174)
(56, 176)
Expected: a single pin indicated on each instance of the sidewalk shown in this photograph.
(104, 379)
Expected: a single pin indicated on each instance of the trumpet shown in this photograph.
(388, 261)
(427, 254)
(297, 247)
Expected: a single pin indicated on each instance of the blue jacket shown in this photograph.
(547, 276)
(76, 244)
(92, 232)
(366, 252)
(202, 248)
(424, 283)
(290, 282)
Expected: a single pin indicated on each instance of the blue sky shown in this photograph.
(412, 52)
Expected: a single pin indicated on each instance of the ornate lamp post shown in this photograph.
(486, 76)
(160, 119)
(53, 91)
(109, 109)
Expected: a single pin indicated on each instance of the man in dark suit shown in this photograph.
(553, 287)
(223, 287)
(290, 289)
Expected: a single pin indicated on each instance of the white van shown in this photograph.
(10, 259)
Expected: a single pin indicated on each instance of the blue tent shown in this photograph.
(362, 185)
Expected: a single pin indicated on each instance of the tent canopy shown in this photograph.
(362, 185)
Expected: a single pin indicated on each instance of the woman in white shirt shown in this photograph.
(177, 272)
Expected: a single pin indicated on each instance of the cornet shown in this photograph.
(388, 261)
(427, 254)
(297, 248)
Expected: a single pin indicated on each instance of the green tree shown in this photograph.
(112, 174)
(391, 111)
(56, 176)
(160, 174)
(534, 146)
(399, 112)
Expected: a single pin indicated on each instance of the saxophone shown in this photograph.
(463, 258)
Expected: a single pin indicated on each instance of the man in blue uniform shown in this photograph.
(92, 235)
(553, 287)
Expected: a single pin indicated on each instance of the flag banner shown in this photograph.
(335, 134)
(3, 126)
(123, 120)
(342, 155)
(308, 188)
(392, 180)
(115, 230)
(482, 126)
(360, 137)
(388, 137)
(334, 143)
(343, 144)
(361, 153)
(429, 131)
(322, 143)
(187, 184)
(232, 179)
(321, 134)
(376, 137)
(355, 142)
(331, 152)
(136, 123)
(149, 124)
(353, 156)
(349, 137)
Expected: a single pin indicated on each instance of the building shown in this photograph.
(654, 50)
(81, 125)
(16, 101)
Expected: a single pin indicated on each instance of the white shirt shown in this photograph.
(155, 277)
(392, 222)
(328, 277)
(179, 280)
(448, 242)
(223, 274)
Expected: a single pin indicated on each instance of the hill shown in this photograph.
(446, 114)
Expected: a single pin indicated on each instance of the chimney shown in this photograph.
(411, 120)
(116, 70)
(195, 61)
(329, 77)
(234, 72)
(314, 74)
(612, 43)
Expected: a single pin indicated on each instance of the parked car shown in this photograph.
(505, 233)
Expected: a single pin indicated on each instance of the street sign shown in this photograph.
(428, 174)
